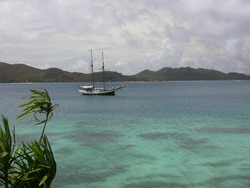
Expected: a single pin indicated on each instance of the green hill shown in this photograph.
(19, 73)
(191, 74)
(10, 73)
(187, 73)
(23, 73)
(148, 75)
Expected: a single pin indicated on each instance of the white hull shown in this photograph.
(91, 90)
(97, 92)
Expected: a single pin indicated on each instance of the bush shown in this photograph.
(28, 164)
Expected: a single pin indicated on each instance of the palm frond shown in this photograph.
(39, 103)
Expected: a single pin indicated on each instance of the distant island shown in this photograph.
(18, 73)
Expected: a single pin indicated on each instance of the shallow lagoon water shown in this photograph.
(151, 134)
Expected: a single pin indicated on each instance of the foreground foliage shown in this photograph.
(7, 154)
(28, 165)
(37, 164)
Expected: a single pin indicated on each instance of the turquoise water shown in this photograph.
(152, 134)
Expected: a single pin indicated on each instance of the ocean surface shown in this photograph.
(150, 135)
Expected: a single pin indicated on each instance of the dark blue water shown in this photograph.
(151, 134)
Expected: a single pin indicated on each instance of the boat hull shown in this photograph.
(111, 92)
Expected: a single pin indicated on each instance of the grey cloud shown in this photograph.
(130, 39)
(220, 25)
(233, 48)
(178, 34)
(138, 34)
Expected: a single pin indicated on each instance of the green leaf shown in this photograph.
(43, 180)
(32, 171)
(3, 154)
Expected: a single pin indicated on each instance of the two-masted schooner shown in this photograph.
(92, 90)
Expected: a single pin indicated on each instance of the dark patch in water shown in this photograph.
(190, 143)
(65, 150)
(242, 180)
(245, 118)
(158, 135)
(75, 176)
(152, 176)
(127, 146)
(244, 169)
(142, 156)
(224, 130)
(94, 137)
(210, 147)
(223, 163)
(183, 140)
(245, 166)
(102, 176)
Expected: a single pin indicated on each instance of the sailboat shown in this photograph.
(92, 90)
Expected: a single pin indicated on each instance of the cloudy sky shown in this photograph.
(134, 34)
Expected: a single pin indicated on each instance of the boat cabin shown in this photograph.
(87, 88)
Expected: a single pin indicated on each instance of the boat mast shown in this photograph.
(103, 75)
(92, 70)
